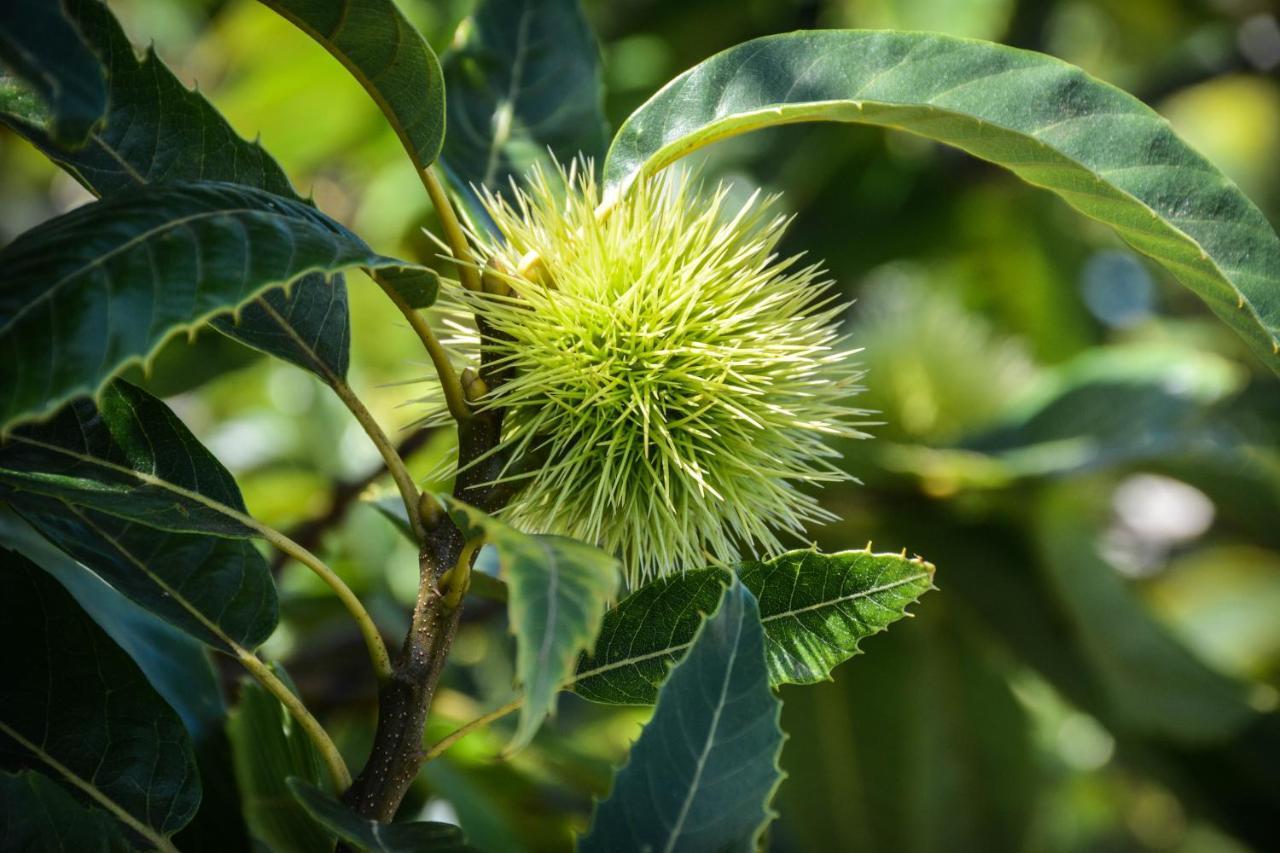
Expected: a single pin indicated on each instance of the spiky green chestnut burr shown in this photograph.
(679, 377)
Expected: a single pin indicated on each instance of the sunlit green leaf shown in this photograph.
(1103, 151)
(43, 48)
(524, 80)
(703, 772)
(268, 747)
(366, 834)
(815, 608)
(85, 713)
(558, 591)
(157, 130)
(389, 58)
(105, 285)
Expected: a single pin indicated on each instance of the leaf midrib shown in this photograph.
(91, 791)
(710, 739)
(785, 614)
(149, 479)
(53, 289)
(732, 125)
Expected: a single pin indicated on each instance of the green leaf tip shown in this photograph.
(704, 771)
(816, 610)
(558, 592)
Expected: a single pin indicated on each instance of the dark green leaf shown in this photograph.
(178, 668)
(101, 287)
(84, 711)
(524, 78)
(37, 814)
(268, 748)
(415, 837)
(558, 591)
(1104, 152)
(705, 768)
(816, 609)
(158, 131)
(40, 45)
(417, 286)
(217, 590)
(129, 456)
(391, 59)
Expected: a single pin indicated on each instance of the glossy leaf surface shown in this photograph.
(85, 712)
(44, 49)
(268, 747)
(1103, 151)
(705, 768)
(129, 456)
(558, 591)
(217, 590)
(524, 78)
(390, 58)
(815, 608)
(103, 286)
(157, 130)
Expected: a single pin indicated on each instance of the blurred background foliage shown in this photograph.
(1090, 458)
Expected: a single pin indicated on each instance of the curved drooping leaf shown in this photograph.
(217, 590)
(130, 456)
(268, 747)
(390, 59)
(158, 130)
(105, 285)
(176, 665)
(78, 706)
(523, 78)
(36, 813)
(558, 591)
(43, 48)
(366, 834)
(815, 608)
(1103, 151)
(705, 768)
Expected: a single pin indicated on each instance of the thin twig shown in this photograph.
(458, 734)
(404, 481)
(372, 637)
(341, 498)
(454, 397)
(323, 743)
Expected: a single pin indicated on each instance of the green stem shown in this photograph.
(399, 473)
(161, 843)
(372, 637)
(454, 397)
(458, 734)
(277, 688)
(453, 232)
